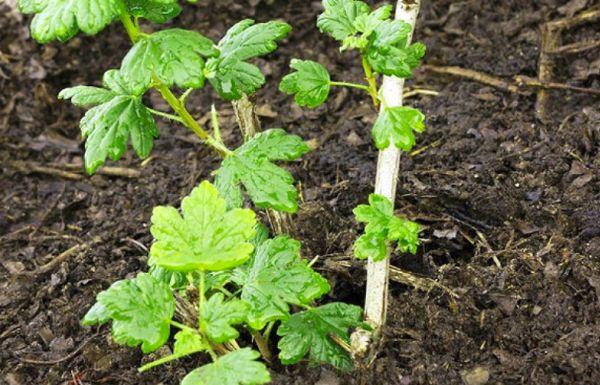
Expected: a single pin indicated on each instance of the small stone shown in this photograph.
(476, 376)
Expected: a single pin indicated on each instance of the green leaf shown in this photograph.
(188, 342)
(141, 310)
(376, 214)
(207, 237)
(32, 6)
(310, 83)
(309, 332)
(371, 245)
(340, 16)
(174, 56)
(62, 19)
(239, 367)
(82, 96)
(228, 73)
(367, 23)
(217, 317)
(383, 227)
(406, 233)
(157, 11)
(175, 279)
(251, 165)
(118, 115)
(398, 125)
(388, 52)
(278, 276)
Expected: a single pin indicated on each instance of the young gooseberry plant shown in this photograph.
(219, 262)
(180, 59)
(383, 45)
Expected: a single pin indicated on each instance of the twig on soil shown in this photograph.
(515, 86)
(59, 259)
(405, 277)
(31, 168)
(474, 75)
(63, 359)
(75, 173)
(550, 40)
(420, 91)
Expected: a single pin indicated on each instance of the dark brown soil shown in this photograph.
(511, 205)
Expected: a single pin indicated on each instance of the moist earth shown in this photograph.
(510, 205)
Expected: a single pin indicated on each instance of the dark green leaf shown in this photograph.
(157, 11)
(207, 237)
(86, 96)
(174, 56)
(388, 53)
(398, 125)
(278, 276)
(367, 23)
(310, 83)
(118, 114)
(251, 165)
(309, 332)
(239, 367)
(141, 311)
(218, 317)
(62, 19)
(339, 17)
(228, 73)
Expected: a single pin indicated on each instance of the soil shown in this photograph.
(510, 205)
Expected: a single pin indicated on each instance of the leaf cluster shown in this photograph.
(383, 45)
(244, 280)
(383, 228)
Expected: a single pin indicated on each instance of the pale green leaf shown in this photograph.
(207, 237)
(383, 227)
(239, 367)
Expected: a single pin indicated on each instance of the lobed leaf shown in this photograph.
(251, 165)
(239, 367)
(310, 83)
(63, 19)
(206, 237)
(397, 125)
(118, 114)
(388, 52)
(309, 332)
(383, 227)
(174, 56)
(141, 310)
(339, 17)
(277, 277)
(228, 73)
(218, 316)
(157, 11)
